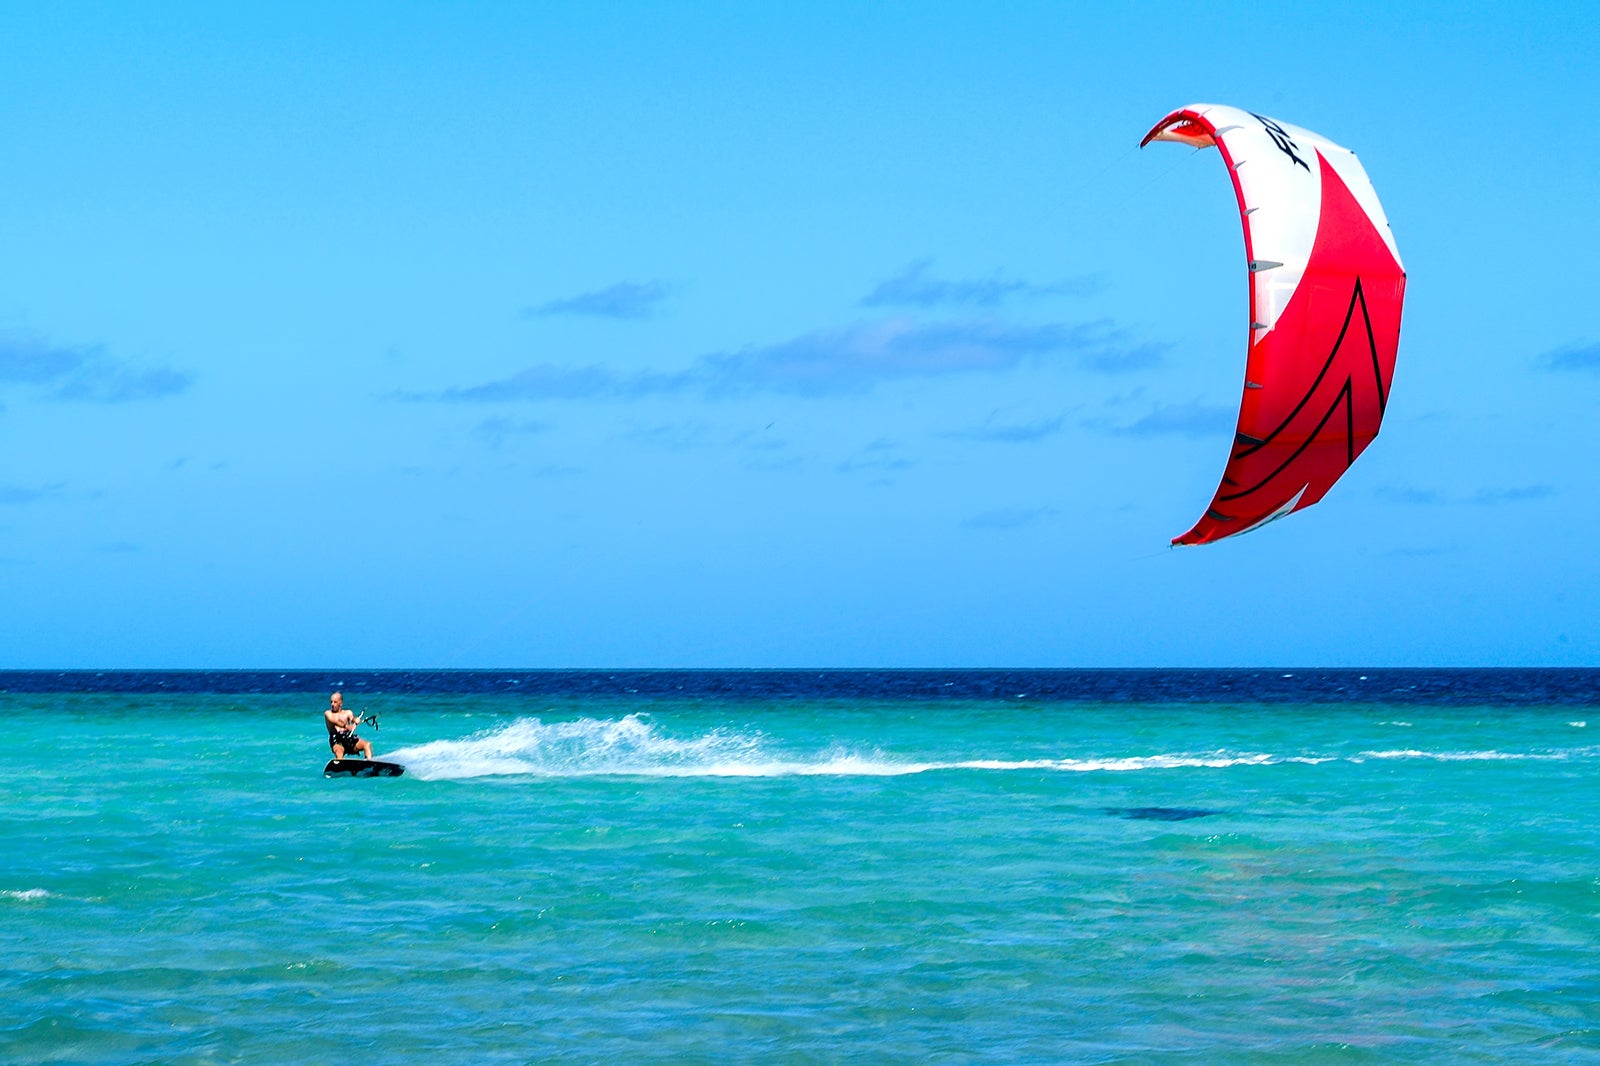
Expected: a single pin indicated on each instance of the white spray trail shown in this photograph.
(633, 746)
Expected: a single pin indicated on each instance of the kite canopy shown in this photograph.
(1326, 287)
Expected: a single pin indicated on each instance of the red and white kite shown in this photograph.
(1326, 287)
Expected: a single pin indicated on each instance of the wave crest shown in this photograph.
(26, 895)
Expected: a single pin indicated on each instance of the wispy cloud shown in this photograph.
(1573, 357)
(83, 373)
(1125, 359)
(874, 465)
(624, 300)
(880, 456)
(1010, 517)
(1425, 552)
(996, 432)
(548, 381)
(28, 360)
(916, 287)
(854, 358)
(1182, 419)
(680, 437)
(496, 431)
(1487, 497)
(849, 359)
(1408, 496)
(15, 495)
(1519, 494)
(119, 383)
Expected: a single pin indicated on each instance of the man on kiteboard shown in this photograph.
(341, 725)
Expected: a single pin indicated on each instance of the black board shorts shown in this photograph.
(347, 741)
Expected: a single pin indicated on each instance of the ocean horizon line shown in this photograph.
(1248, 667)
(1451, 685)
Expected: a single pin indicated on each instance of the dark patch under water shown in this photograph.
(1159, 814)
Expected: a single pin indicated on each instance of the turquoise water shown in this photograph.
(800, 879)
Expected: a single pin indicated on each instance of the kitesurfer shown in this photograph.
(341, 725)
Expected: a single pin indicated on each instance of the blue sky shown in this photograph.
(754, 335)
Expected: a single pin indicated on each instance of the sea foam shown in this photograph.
(26, 895)
(635, 746)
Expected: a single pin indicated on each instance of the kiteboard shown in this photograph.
(362, 768)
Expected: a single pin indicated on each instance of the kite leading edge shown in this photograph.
(1326, 287)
